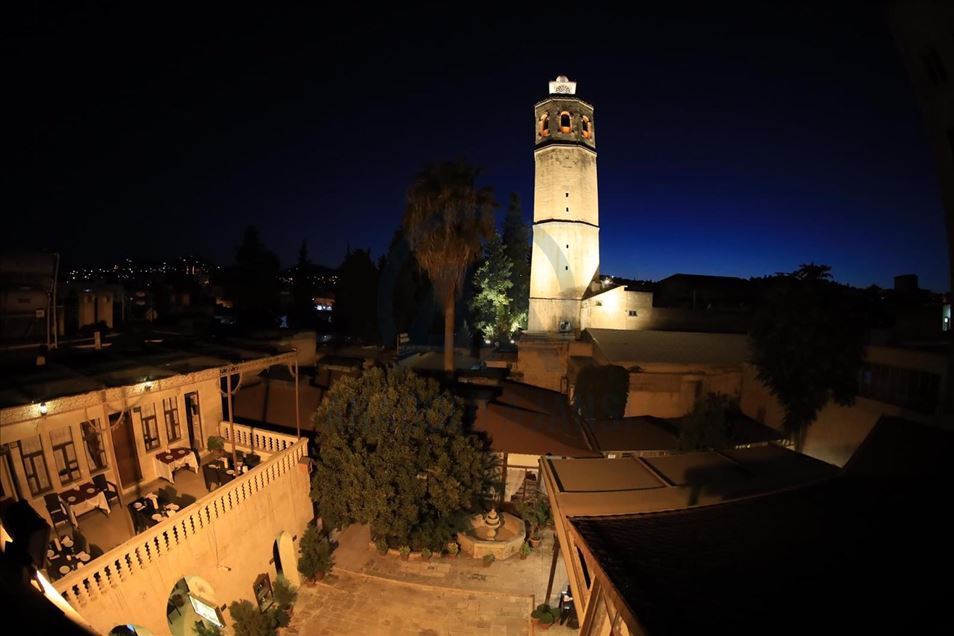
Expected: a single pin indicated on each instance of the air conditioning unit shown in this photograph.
(565, 325)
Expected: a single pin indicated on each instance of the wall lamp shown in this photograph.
(43, 408)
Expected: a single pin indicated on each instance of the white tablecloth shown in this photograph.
(81, 507)
(165, 470)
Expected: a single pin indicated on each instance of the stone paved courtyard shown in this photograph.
(352, 604)
(372, 594)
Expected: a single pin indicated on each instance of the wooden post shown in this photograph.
(553, 562)
(228, 386)
(297, 415)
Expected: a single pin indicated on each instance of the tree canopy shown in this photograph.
(491, 302)
(807, 344)
(393, 453)
(253, 282)
(601, 392)
(355, 312)
(516, 240)
(709, 425)
(446, 221)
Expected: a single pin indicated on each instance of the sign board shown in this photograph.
(207, 611)
(403, 338)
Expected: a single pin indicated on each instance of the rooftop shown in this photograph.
(533, 421)
(623, 346)
(643, 433)
(856, 553)
(643, 484)
(122, 363)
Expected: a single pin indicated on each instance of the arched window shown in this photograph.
(585, 126)
(545, 125)
(564, 122)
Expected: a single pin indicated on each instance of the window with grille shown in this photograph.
(170, 407)
(34, 465)
(150, 428)
(64, 453)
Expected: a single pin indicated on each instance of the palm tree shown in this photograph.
(446, 220)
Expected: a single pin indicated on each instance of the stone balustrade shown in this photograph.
(255, 438)
(149, 555)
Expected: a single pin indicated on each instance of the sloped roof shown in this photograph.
(834, 557)
(533, 421)
(622, 346)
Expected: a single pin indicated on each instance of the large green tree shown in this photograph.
(491, 303)
(393, 453)
(516, 240)
(807, 340)
(446, 221)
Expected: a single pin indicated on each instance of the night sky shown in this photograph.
(737, 139)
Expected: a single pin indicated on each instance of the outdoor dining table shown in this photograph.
(168, 462)
(65, 559)
(82, 499)
(167, 511)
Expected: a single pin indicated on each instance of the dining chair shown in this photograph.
(211, 476)
(80, 544)
(107, 487)
(56, 509)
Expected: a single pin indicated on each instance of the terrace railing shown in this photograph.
(148, 549)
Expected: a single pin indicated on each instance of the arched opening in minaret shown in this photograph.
(564, 122)
(545, 125)
(585, 126)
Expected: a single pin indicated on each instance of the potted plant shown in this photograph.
(524, 550)
(453, 549)
(382, 546)
(544, 616)
(204, 629)
(315, 560)
(216, 445)
(284, 595)
(278, 618)
(489, 560)
(426, 554)
(405, 551)
(248, 619)
(536, 513)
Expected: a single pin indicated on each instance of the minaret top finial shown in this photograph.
(563, 86)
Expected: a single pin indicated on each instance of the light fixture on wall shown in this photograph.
(43, 408)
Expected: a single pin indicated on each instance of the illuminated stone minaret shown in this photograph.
(566, 244)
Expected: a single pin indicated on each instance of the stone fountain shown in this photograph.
(500, 534)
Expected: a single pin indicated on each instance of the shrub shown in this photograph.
(284, 593)
(453, 548)
(405, 550)
(381, 545)
(315, 556)
(545, 614)
(535, 512)
(278, 617)
(425, 553)
(204, 629)
(249, 621)
(525, 550)
(216, 443)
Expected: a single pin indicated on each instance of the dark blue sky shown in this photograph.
(738, 139)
